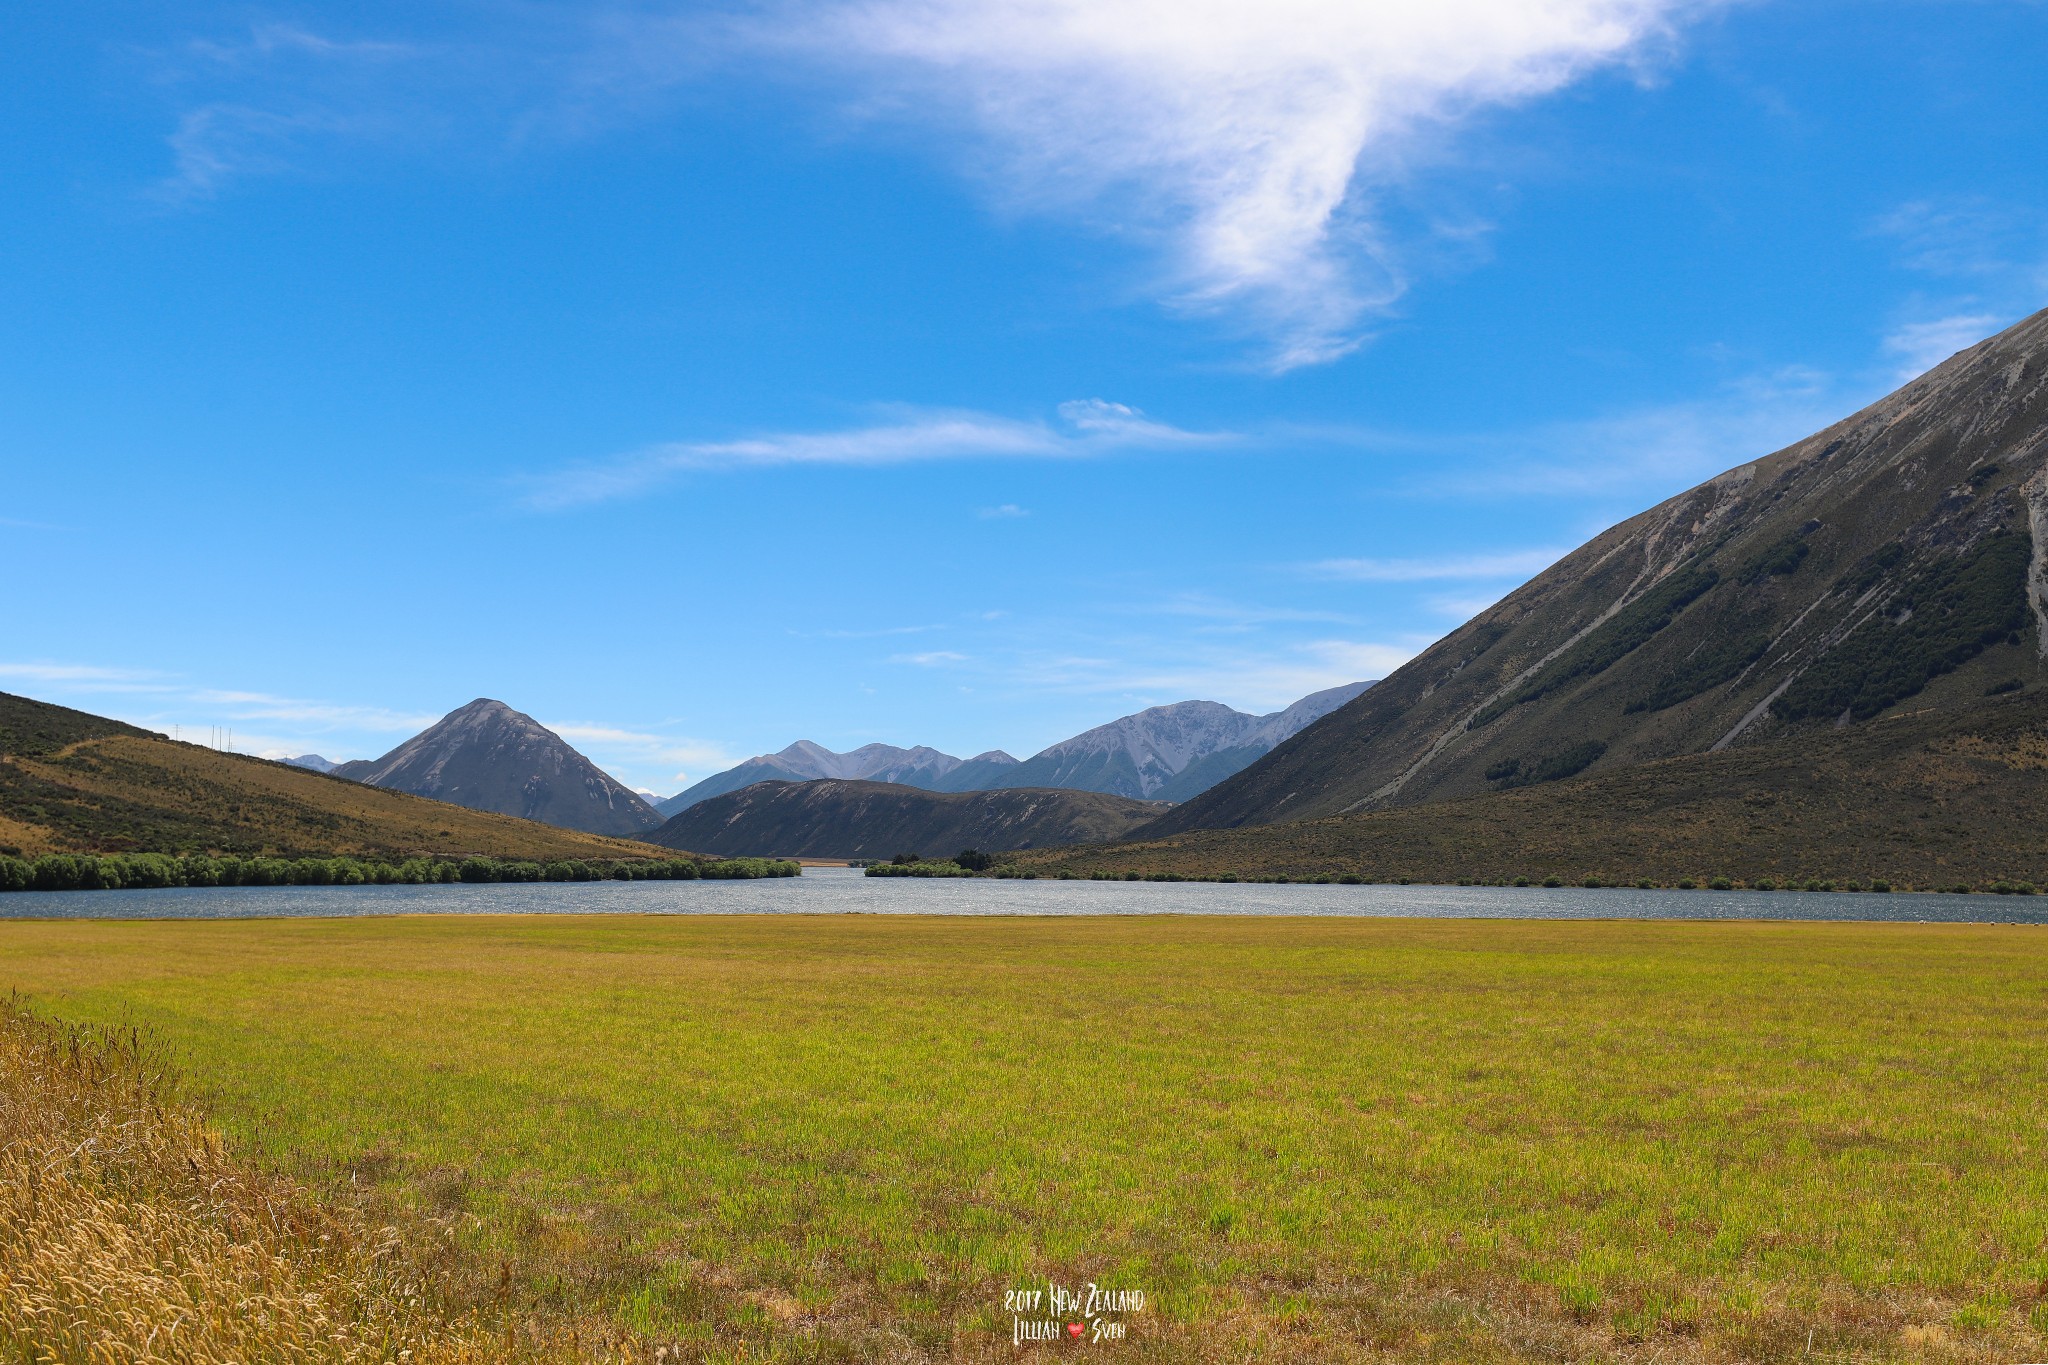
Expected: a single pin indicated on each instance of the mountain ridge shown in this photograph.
(487, 756)
(1896, 554)
(1165, 753)
(841, 818)
(74, 782)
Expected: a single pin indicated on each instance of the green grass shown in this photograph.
(844, 1137)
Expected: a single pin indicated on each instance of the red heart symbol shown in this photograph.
(1074, 1329)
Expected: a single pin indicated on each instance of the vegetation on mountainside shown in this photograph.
(1931, 800)
(1621, 635)
(1943, 616)
(838, 1138)
(74, 783)
(1525, 772)
(38, 727)
(142, 871)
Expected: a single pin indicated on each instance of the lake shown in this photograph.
(844, 891)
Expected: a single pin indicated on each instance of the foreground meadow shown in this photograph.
(847, 1137)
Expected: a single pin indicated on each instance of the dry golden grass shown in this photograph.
(129, 1236)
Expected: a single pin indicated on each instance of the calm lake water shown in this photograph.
(844, 891)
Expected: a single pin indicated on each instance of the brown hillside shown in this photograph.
(1930, 799)
(830, 818)
(1899, 558)
(71, 782)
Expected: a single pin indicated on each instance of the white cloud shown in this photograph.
(1250, 136)
(1090, 427)
(1645, 453)
(1266, 680)
(263, 706)
(1251, 679)
(937, 658)
(1920, 346)
(74, 673)
(1009, 511)
(617, 749)
(1517, 564)
(278, 90)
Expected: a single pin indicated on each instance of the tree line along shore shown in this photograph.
(141, 871)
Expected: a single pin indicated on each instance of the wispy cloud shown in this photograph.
(274, 92)
(935, 658)
(873, 633)
(1648, 452)
(46, 672)
(262, 706)
(1218, 614)
(1250, 138)
(1249, 679)
(1515, 564)
(1990, 260)
(1920, 346)
(1086, 428)
(617, 749)
(1009, 511)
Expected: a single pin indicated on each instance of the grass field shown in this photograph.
(846, 1137)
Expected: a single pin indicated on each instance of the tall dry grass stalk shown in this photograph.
(129, 1236)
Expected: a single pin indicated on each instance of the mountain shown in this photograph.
(486, 756)
(1891, 560)
(831, 818)
(1929, 799)
(1171, 753)
(75, 782)
(312, 761)
(1167, 753)
(804, 761)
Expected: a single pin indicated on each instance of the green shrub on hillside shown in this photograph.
(1945, 615)
(1627, 630)
(1784, 557)
(1525, 772)
(1711, 666)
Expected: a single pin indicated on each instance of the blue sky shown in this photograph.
(700, 378)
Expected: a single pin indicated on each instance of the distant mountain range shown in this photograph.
(312, 761)
(1891, 564)
(832, 818)
(1163, 753)
(486, 756)
(804, 761)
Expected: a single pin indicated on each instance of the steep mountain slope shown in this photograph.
(1169, 752)
(73, 782)
(835, 819)
(804, 761)
(1894, 557)
(1928, 800)
(486, 756)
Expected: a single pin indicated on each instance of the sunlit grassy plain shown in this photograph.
(844, 1137)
